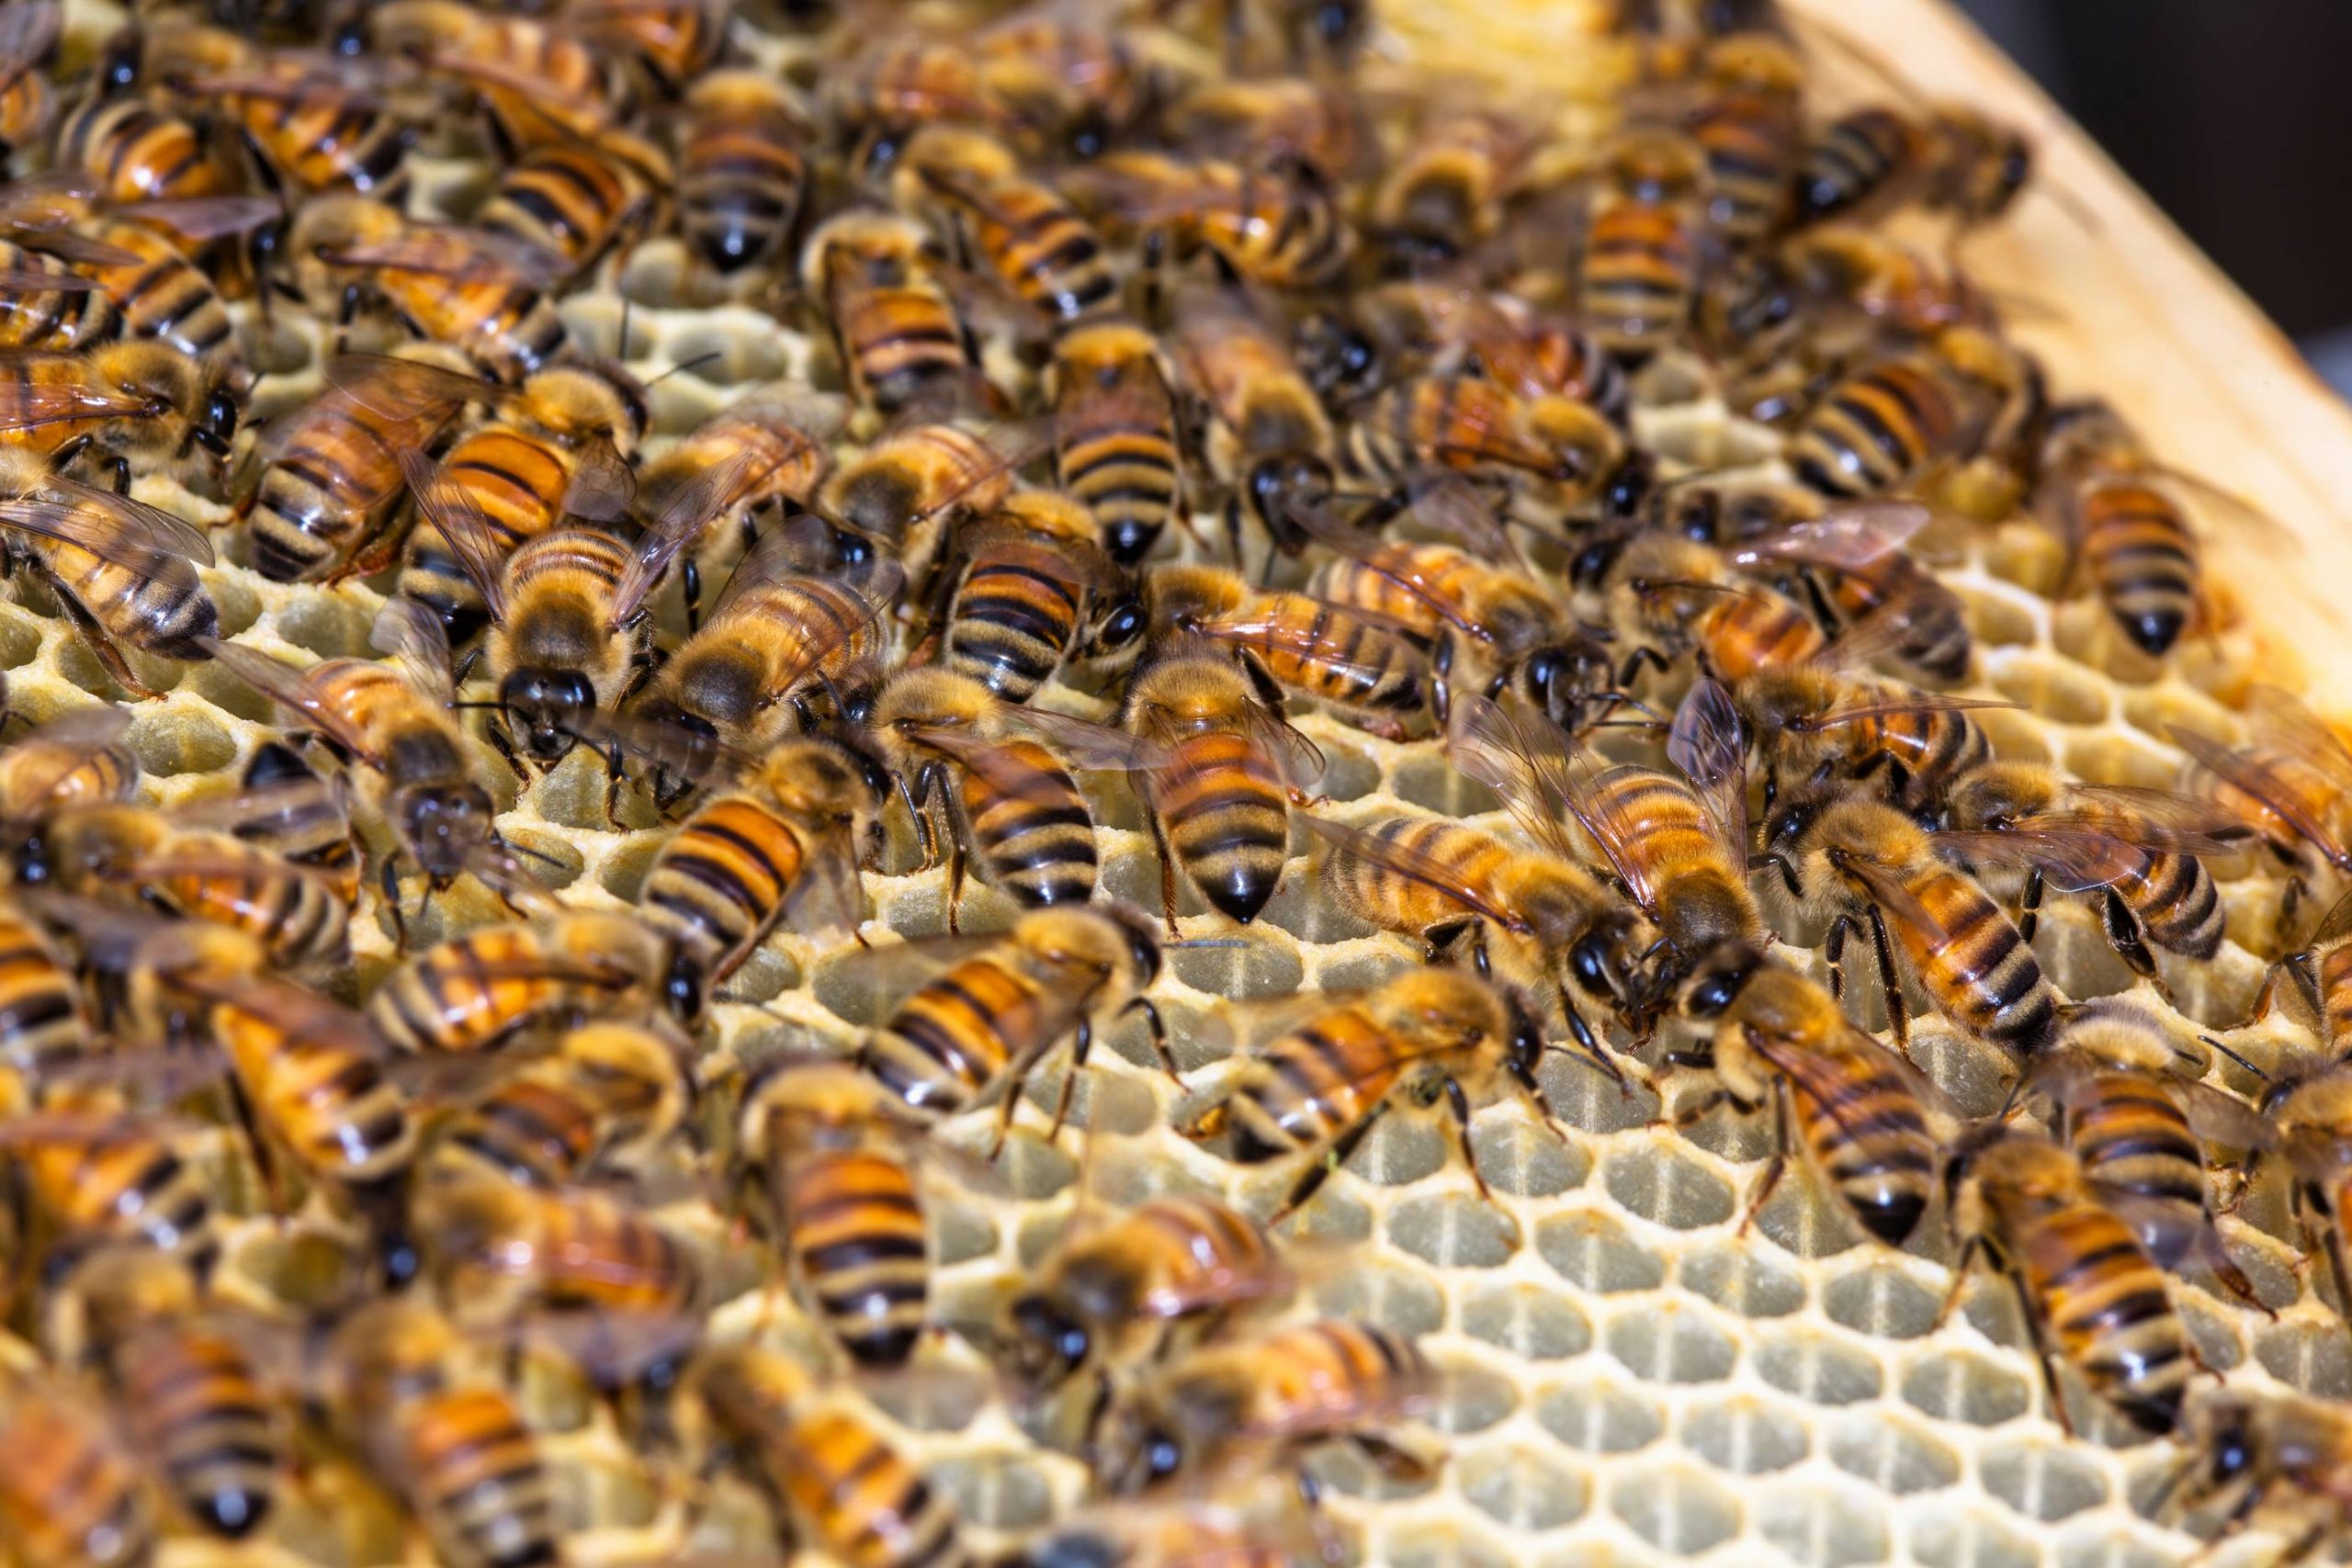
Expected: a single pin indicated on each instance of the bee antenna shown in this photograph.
(2233, 1056)
(529, 853)
(489, 702)
(698, 359)
(738, 1000)
(1206, 941)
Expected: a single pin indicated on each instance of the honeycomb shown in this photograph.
(1644, 1379)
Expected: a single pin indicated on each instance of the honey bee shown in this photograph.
(1037, 245)
(1552, 451)
(576, 200)
(984, 1025)
(88, 1176)
(1115, 434)
(1318, 38)
(743, 169)
(1837, 280)
(2269, 1453)
(899, 333)
(1674, 599)
(459, 1454)
(956, 751)
(568, 628)
(477, 292)
(1847, 562)
(312, 124)
(1859, 861)
(580, 1269)
(284, 807)
(330, 482)
(1637, 277)
(472, 991)
(1274, 222)
(125, 571)
(133, 150)
(1268, 438)
(780, 842)
(921, 478)
(1680, 848)
(1951, 160)
(905, 82)
(1073, 83)
(773, 634)
(1443, 881)
(70, 1493)
(1438, 324)
(1220, 1408)
(1902, 418)
(146, 260)
(45, 305)
(2108, 499)
(137, 407)
(1026, 574)
(1443, 196)
(1159, 1280)
(75, 759)
(420, 776)
(1746, 115)
(27, 102)
(2131, 1111)
(828, 1152)
(845, 1485)
(1813, 721)
(1235, 120)
(2092, 1297)
(1215, 766)
(135, 853)
(502, 484)
(1371, 670)
(2309, 1106)
(1319, 1086)
(45, 1030)
(674, 41)
(541, 81)
(2289, 786)
(2134, 852)
(193, 1403)
(1872, 1123)
(607, 1096)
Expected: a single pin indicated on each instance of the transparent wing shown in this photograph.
(1709, 742)
(1264, 628)
(418, 644)
(1426, 870)
(461, 256)
(1893, 896)
(602, 485)
(472, 537)
(292, 689)
(683, 517)
(1489, 744)
(1847, 537)
(202, 217)
(2252, 775)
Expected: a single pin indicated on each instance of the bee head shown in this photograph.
(1045, 1345)
(1718, 979)
(542, 702)
(444, 826)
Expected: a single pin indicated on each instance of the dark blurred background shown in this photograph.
(2236, 117)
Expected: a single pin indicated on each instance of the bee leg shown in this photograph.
(346, 312)
(387, 881)
(1789, 878)
(1637, 659)
(1968, 1250)
(956, 866)
(1898, 1011)
(1771, 1180)
(2125, 934)
(690, 580)
(272, 1179)
(103, 645)
(1586, 1043)
(1156, 1027)
(1833, 952)
(1525, 1075)
(1320, 1167)
(2046, 1356)
(1328, 1544)
(2029, 908)
(1459, 1098)
(1398, 1465)
(1167, 869)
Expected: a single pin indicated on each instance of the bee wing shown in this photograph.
(2281, 719)
(461, 256)
(221, 860)
(255, 806)
(2249, 772)
(206, 217)
(1878, 702)
(1845, 537)
(1817, 1075)
(669, 746)
(2181, 823)
(601, 484)
(304, 1017)
(2073, 859)
(1414, 866)
(1297, 760)
(419, 645)
(77, 735)
(1490, 744)
(683, 517)
(130, 534)
(1009, 446)
(26, 33)
(828, 894)
(1090, 747)
(1246, 629)
(32, 280)
(406, 391)
(310, 87)
(817, 417)
(889, 973)
(34, 404)
(292, 689)
(792, 547)
(1461, 513)
(52, 238)
(1709, 742)
(1889, 892)
(1246, 1028)
(1327, 528)
(471, 537)
(1078, 564)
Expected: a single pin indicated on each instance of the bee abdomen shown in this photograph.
(194, 1403)
(474, 1475)
(1038, 848)
(2109, 1305)
(948, 1041)
(1851, 164)
(720, 882)
(857, 1239)
(1011, 626)
(2143, 558)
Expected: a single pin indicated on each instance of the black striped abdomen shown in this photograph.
(719, 883)
(1227, 822)
(858, 1246)
(1014, 621)
(739, 190)
(471, 1470)
(1876, 431)
(1049, 253)
(1982, 974)
(898, 341)
(41, 1025)
(56, 320)
(334, 484)
(2128, 1132)
(164, 611)
(2175, 900)
(1305, 1088)
(529, 1133)
(1854, 163)
(1032, 833)
(2105, 1305)
(1637, 280)
(1871, 1139)
(861, 1499)
(565, 200)
(196, 1408)
(1750, 144)
(1126, 473)
(949, 1041)
(2142, 560)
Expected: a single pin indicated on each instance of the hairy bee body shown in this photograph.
(1115, 418)
(517, 480)
(69, 1494)
(44, 1026)
(572, 201)
(137, 152)
(1028, 573)
(743, 170)
(54, 321)
(608, 1093)
(1221, 802)
(471, 991)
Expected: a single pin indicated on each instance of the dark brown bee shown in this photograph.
(1318, 1088)
(2096, 1301)
(1444, 196)
(1870, 1123)
(604, 1098)
(470, 992)
(1071, 83)
(1269, 439)
(1551, 452)
(743, 169)
(1952, 160)
(1440, 322)
(1038, 246)
(2112, 503)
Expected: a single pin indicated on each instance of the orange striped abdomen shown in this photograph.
(953, 1037)
(2105, 1304)
(855, 1230)
(1981, 973)
(719, 883)
(1637, 280)
(1871, 1139)
(1226, 817)
(1754, 630)
(1034, 833)
(860, 1498)
(1313, 1084)
(2142, 560)
(1877, 430)
(1395, 902)
(471, 1470)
